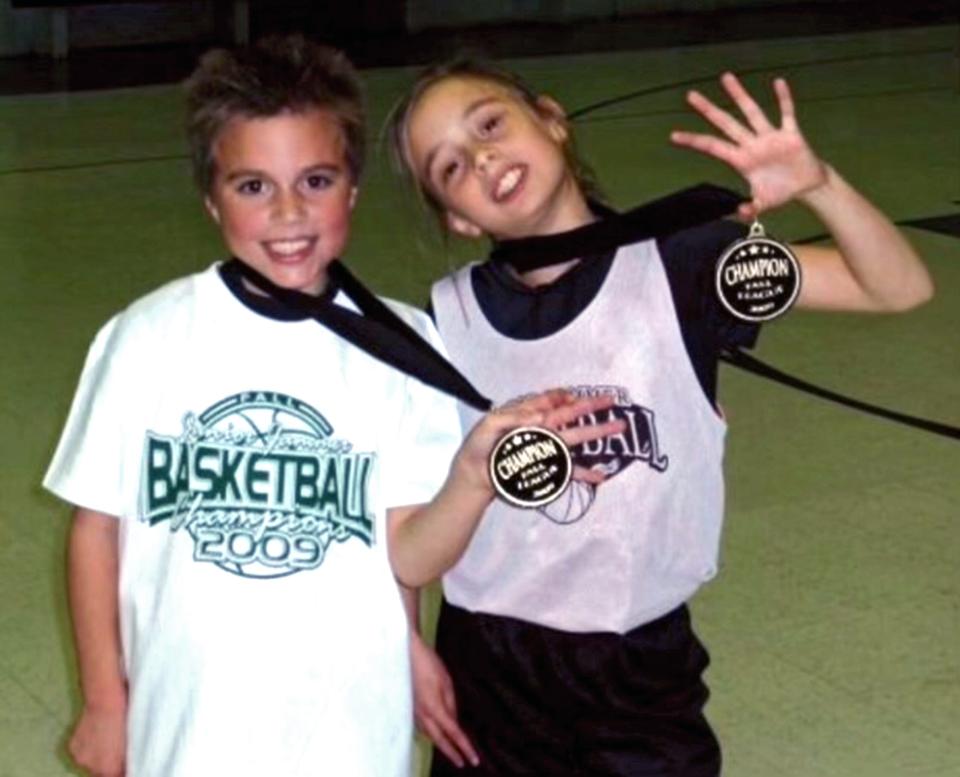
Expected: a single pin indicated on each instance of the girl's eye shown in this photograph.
(490, 123)
(448, 171)
(252, 186)
(319, 181)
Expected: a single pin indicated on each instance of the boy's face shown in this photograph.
(282, 195)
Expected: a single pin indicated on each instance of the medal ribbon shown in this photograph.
(382, 334)
(377, 330)
(657, 218)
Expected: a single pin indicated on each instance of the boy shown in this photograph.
(237, 470)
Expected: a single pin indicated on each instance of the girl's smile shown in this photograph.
(495, 163)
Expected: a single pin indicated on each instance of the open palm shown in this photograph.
(776, 161)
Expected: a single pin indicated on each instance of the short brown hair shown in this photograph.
(480, 70)
(279, 74)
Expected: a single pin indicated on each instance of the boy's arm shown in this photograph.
(435, 704)
(873, 267)
(98, 742)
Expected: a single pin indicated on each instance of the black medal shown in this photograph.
(530, 466)
(758, 278)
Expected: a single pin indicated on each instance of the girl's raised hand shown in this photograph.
(777, 162)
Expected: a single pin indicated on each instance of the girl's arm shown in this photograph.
(98, 742)
(426, 540)
(434, 700)
(872, 267)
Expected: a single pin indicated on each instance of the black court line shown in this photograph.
(89, 165)
(685, 110)
(712, 77)
(574, 115)
(947, 224)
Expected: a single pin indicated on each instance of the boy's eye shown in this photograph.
(252, 186)
(319, 181)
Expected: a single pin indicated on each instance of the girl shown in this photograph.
(565, 630)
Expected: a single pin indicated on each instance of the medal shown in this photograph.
(530, 466)
(758, 278)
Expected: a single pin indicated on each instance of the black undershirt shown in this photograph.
(689, 258)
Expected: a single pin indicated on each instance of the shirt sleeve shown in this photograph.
(86, 469)
(428, 435)
(690, 258)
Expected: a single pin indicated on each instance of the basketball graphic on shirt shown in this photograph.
(611, 455)
(572, 504)
(260, 485)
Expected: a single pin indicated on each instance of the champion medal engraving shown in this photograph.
(530, 466)
(758, 278)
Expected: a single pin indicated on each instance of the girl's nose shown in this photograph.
(483, 157)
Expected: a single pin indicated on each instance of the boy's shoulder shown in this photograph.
(417, 319)
(163, 312)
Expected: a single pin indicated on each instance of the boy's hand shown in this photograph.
(777, 162)
(435, 705)
(552, 410)
(99, 742)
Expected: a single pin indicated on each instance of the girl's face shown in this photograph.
(495, 163)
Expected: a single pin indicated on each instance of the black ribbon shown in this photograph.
(376, 330)
(381, 333)
(664, 216)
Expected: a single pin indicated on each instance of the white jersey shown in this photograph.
(250, 462)
(614, 557)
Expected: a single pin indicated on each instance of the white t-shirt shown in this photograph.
(251, 461)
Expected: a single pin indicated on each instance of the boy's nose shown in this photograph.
(288, 206)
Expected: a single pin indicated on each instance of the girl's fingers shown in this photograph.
(718, 117)
(562, 416)
(575, 435)
(748, 107)
(442, 742)
(587, 475)
(707, 144)
(748, 211)
(788, 117)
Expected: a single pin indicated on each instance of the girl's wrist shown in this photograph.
(819, 196)
(468, 480)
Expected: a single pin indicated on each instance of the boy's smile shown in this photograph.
(282, 195)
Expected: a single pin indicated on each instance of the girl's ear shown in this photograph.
(211, 209)
(461, 226)
(554, 117)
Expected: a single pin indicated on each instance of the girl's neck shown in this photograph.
(543, 276)
(572, 213)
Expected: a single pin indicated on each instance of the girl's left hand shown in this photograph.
(556, 410)
(777, 162)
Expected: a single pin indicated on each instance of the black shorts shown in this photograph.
(538, 701)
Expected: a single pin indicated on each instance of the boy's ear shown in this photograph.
(211, 209)
(554, 116)
(461, 226)
(353, 196)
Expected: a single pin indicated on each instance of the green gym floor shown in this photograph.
(834, 624)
